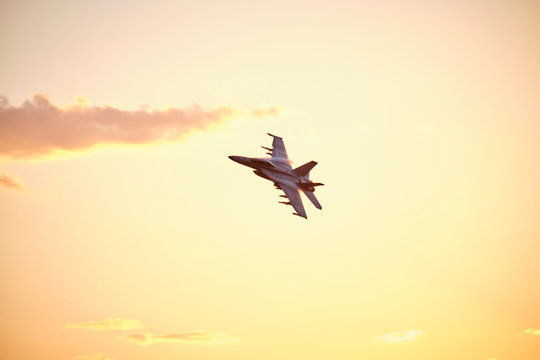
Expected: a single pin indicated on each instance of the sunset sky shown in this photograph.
(127, 234)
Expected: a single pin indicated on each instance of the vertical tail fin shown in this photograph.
(305, 169)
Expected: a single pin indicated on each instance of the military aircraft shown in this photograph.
(278, 169)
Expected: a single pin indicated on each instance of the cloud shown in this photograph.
(197, 337)
(10, 183)
(107, 324)
(533, 331)
(96, 356)
(400, 336)
(272, 111)
(39, 127)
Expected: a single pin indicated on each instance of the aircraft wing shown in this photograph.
(293, 195)
(278, 149)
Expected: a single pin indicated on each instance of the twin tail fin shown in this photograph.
(305, 169)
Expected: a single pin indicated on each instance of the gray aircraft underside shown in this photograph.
(278, 170)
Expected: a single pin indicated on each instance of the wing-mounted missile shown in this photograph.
(283, 196)
(285, 202)
(298, 215)
(266, 148)
(277, 186)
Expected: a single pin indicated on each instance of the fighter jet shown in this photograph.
(278, 169)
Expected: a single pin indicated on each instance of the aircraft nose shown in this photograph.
(242, 160)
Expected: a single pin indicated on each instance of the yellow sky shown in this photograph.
(142, 240)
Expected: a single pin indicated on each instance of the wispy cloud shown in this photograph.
(39, 127)
(96, 356)
(10, 183)
(271, 111)
(107, 324)
(533, 331)
(400, 336)
(189, 338)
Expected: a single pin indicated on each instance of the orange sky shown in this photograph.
(127, 233)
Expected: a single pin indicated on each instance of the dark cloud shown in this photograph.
(10, 183)
(398, 337)
(188, 338)
(39, 127)
(272, 111)
(107, 324)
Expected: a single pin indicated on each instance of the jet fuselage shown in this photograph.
(269, 169)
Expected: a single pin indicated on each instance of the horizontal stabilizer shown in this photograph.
(311, 196)
(305, 169)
